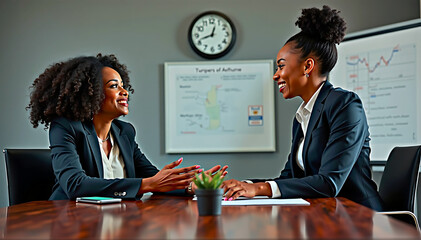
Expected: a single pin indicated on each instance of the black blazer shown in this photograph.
(336, 152)
(78, 166)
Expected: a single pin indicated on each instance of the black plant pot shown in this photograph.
(209, 201)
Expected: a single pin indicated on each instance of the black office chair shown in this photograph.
(29, 174)
(399, 183)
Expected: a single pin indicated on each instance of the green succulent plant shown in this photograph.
(205, 181)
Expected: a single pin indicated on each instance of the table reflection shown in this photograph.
(88, 220)
(123, 220)
(178, 218)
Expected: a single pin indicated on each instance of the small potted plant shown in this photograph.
(209, 193)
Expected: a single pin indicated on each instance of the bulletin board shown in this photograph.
(219, 106)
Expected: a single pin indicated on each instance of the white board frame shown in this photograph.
(261, 141)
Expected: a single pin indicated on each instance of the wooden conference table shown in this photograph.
(171, 217)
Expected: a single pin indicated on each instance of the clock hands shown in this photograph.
(210, 35)
(213, 30)
(205, 37)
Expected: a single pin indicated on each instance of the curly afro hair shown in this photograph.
(72, 89)
(321, 30)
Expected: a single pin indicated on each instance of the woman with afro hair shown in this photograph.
(330, 150)
(94, 153)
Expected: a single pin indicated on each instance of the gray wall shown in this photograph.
(145, 34)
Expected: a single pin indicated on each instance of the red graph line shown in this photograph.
(382, 59)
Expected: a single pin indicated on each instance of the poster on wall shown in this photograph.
(223, 106)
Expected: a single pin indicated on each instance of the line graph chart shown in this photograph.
(397, 63)
(383, 66)
(367, 65)
(384, 78)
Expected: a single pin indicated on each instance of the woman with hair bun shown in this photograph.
(330, 150)
(93, 152)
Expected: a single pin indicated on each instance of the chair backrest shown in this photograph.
(30, 174)
(399, 182)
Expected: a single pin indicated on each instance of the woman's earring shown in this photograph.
(307, 75)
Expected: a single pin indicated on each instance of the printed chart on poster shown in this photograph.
(383, 69)
(223, 106)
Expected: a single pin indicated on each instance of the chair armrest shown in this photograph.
(405, 216)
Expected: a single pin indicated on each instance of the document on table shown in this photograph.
(267, 201)
(259, 200)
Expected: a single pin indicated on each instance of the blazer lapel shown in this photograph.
(297, 136)
(94, 145)
(124, 146)
(315, 115)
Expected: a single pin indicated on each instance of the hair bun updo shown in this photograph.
(324, 24)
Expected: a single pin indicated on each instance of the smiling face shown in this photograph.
(290, 72)
(116, 99)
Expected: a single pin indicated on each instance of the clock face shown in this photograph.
(212, 35)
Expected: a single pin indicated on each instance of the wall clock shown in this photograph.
(212, 34)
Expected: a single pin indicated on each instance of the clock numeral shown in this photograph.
(219, 47)
(219, 22)
(224, 41)
(206, 46)
(196, 35)
(211, 20)
(199, 43)
(205, 23)
(227, 34)
(212, 49)
(200, 28)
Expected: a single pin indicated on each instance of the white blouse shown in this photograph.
(113, 166)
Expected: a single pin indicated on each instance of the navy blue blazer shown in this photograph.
(77, 162)
(336, 152)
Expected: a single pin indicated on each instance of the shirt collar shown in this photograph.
(306, 109)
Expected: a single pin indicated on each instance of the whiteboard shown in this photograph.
(219, 106)
(382, 66)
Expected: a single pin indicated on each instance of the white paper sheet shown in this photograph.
(262, 200)
(268, 201)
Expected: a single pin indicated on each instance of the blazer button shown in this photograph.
(116, 194)
(123, 194)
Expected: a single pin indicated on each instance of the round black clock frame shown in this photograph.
(227, 49)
